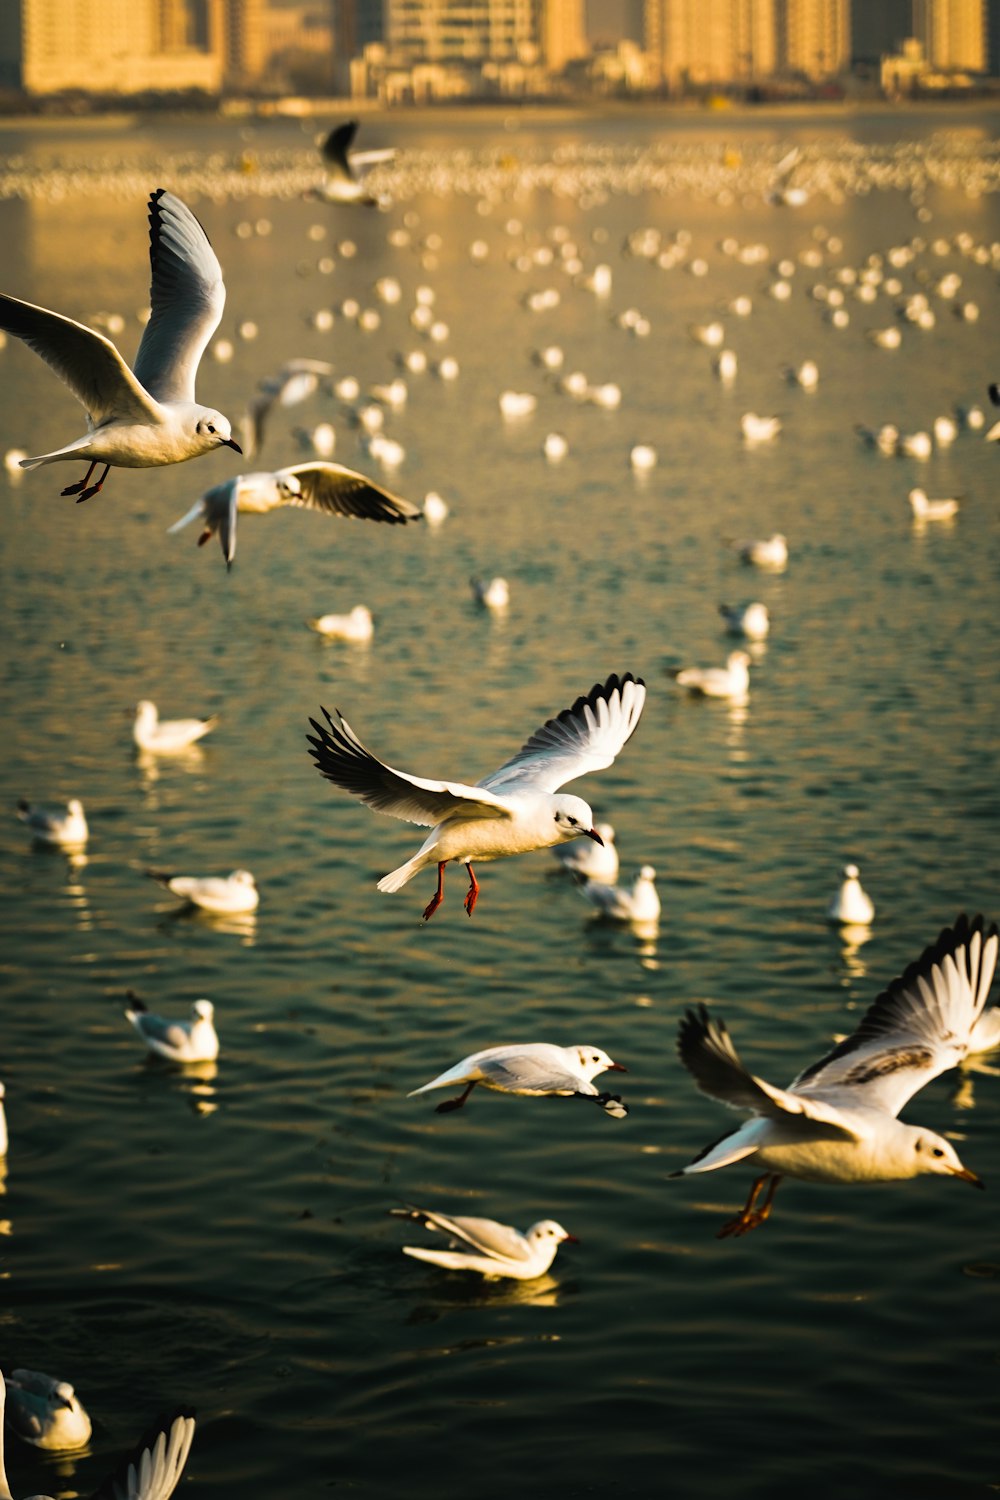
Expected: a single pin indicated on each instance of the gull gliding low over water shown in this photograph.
(530, 1068)
(141, 418)
(315, 485)
(494, 1250)
(344, 168)
(836, 1122)
(514, 810)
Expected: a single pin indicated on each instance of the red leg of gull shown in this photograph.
(438, 895)
(450, 1104)
(94, 489)
(472, 894)
(74, 489)
(749, 1217)
(206, 536)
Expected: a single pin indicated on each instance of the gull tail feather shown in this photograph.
(78, 447)
(396, 879)
(197, 509)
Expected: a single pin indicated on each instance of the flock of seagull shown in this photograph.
(836, 1122)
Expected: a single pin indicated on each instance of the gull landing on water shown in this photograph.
(837, 1121)
(511, 811)
(314, 486)
(494, 1250)
(536, 1068)
(147, 417)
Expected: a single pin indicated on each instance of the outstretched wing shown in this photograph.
(337, 144)
(920, 1026)
(342, 492)
(153, 1470)
(88, 362)
(485, 1236)
(707, 1051)
(187, 297)
(342, 758)
(586, 737)
(527, 1073)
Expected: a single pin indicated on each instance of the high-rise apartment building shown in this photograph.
(461, 31)
(103, 46)
(704, 41)
(563, 36)
(953, 33)
(813, 37)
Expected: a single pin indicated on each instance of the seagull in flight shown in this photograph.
(148, 416)
(344, 181)
(514, 810)
(315, 486)
(536, 1068)
(837, 1122)
(494, 1250)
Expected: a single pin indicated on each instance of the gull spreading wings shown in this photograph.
(513, 810)
(836, 1122)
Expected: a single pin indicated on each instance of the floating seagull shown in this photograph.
(67, 830)
(435, 511)
(494, 594)
(931, 510)
(140, 419)
(296, 381)
(851, 905)
(750, 620)
(176, 1041)
(494, 1250)
(343, 184)
(314, 485)
(152, 1471)
(837, 1121)
(167, 736)
(731, 681)
(223, 896)
(769, 552)
(591, 861)
(46, 1412)
(511, 811)
(357, 626)
(757, 429)
(530, 1068)
(638, 903)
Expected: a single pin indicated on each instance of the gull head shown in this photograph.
(573, 819)
(203, 1010)
(851, 872)
(548, 1229)
(213, 431)
(933, 1154)
(74, 807)
(243, 877)
(591, 1061)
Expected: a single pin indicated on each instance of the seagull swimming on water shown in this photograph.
(837, 1121)
(46, 1412)
(222, 895)
(513, 810)
(176, 1041)
(141, 418)
(494, 1250)
(530, 1068)
(151, 1472)
(167, 736)
(315, 485)
(64, 830)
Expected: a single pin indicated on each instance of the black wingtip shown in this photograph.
(995, 394)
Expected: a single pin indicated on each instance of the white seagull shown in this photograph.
(852, 904)
(295, 382)
(343, 183)
(222, 895)
(66, 830)
(731, 681)
(167, 736)
(530, 1068)
(357, 626)
(494, 1250)
(176, 1041)
(637, 903)
(836, 1122)
(494, 594)
(925, 509)
(151, 1472)
(591, 861)
(765, 552)
(315, 485)
(750, 620)
(514, 810)
(143, 418)
(45, 1412)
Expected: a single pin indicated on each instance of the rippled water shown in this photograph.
(222, 1239)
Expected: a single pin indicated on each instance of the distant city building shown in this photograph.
(711, 41)
(952, 33)
(562, 33)
(461, 31)
(104, 46)
(879, 27)
(813, 37)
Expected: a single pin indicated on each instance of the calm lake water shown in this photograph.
(222, 1239)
